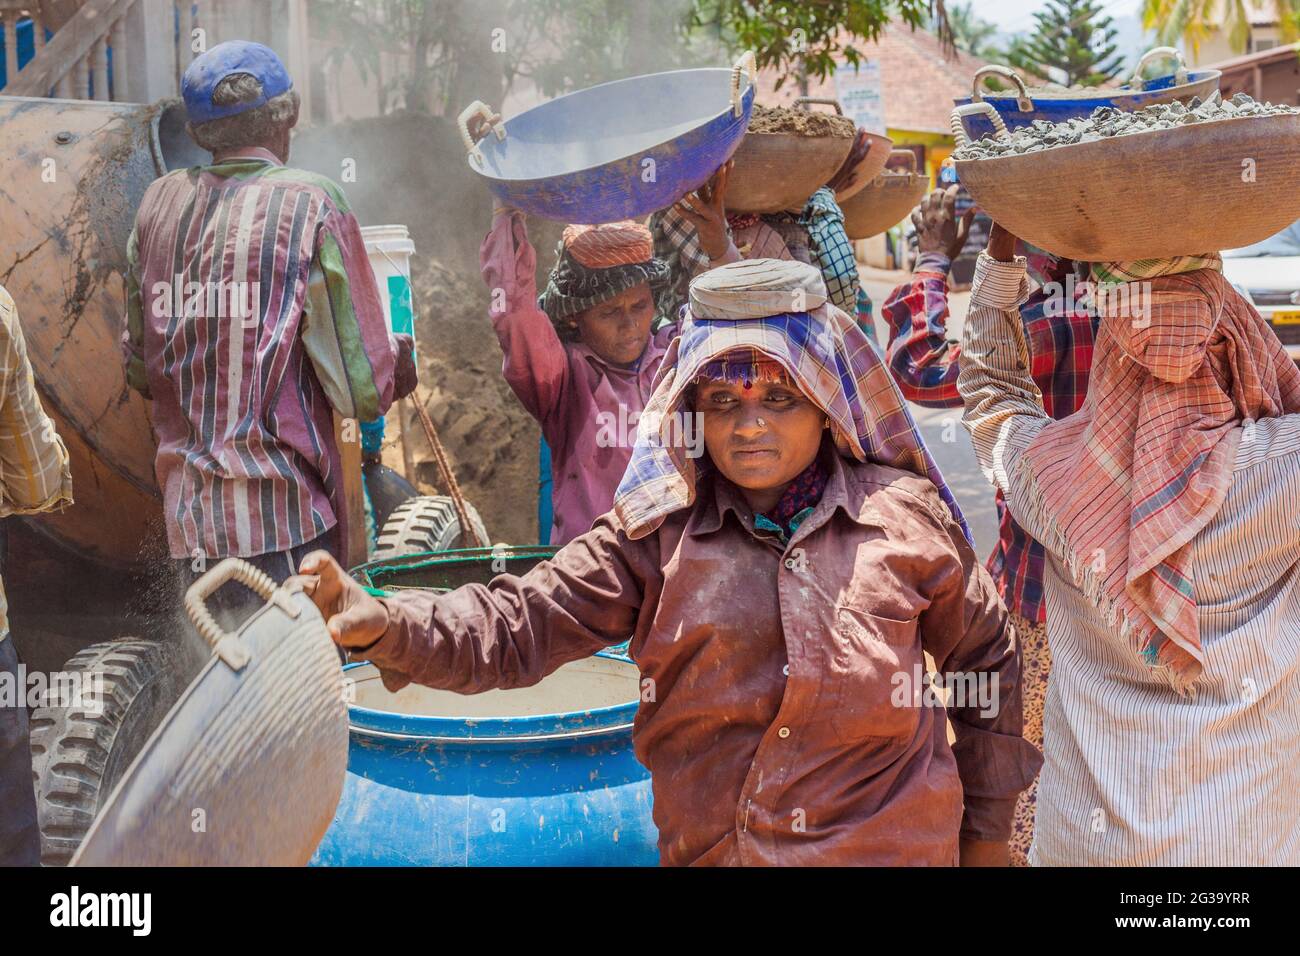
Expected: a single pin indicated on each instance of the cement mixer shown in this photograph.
(74, 172)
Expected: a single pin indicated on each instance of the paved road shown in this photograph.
(941, 427)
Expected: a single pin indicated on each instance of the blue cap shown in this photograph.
(225, 59)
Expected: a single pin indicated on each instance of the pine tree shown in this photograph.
(1069, 38)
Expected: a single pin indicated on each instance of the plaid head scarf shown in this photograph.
(1124, 484)
(776, 308)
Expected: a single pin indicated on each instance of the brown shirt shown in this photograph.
(770, 722)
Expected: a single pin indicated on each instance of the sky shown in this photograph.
(1016, 16)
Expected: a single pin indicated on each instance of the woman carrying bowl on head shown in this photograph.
(780, 592)
(581, 357)
(1166, 507)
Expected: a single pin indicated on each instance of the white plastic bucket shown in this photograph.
(390, 249)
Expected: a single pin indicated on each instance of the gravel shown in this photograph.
(1106, 121)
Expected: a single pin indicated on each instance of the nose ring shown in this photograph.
(761, 423)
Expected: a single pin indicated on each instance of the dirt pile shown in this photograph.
(800, 122)
(491, 441)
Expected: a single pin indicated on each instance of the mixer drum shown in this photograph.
(74, 173)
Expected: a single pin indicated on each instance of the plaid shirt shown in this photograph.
(676, 242)
(34, 472)
(925, 365)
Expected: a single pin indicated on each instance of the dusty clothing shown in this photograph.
(1135, 774)
(1035, 669)
(587, 408)
(822, 350)
(1128, 481)
(20, 833)
(253, 314)
(772, 735)
(35, 475)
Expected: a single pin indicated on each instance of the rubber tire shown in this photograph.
(78, 757)
(387, 490)
(426, 523)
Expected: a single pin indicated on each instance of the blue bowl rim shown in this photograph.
(598, 723)
(1006, 100)
(746, 99)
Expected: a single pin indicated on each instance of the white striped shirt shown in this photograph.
(1134, 774)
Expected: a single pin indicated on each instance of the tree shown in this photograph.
(1071, 38)
(1193, 21)
(969, 31)
(448, 52)
(803, 39)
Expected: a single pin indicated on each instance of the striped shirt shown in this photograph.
(1133, 773)
(34, 472)
(253, 315)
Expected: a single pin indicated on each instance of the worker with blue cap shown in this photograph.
(253, 319)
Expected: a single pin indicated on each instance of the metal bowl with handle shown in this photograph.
(1148, 195)
(1054, 106)
(774, 172)
(871, 165)
(248, 766)
(616, 151)
(887, 199)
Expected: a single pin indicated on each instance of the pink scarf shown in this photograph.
(1131, 478)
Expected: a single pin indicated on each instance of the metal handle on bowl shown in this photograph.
(1023, 102)
(1160, 52)
(821, 100)
(228, 646)
(493, 119)
(959, 133)
(750, 65)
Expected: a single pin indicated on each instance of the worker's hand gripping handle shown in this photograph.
(491, 120)
(225, 645)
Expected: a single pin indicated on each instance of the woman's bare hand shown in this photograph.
(354, 618)
(706, 210)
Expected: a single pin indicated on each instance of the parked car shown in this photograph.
(1268, 275)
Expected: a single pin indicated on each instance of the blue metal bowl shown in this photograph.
(1057, 107)
(616, 151)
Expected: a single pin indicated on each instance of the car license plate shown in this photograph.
(1288, 317)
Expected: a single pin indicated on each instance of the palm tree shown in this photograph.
(1195, 20)
(969, 31)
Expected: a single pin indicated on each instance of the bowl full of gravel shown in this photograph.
(786, 155)
(1168, 180)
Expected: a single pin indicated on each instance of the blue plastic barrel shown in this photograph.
(508, 778)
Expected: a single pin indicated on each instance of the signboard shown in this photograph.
(858, 90)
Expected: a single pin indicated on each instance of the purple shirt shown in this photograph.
(587, 408)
